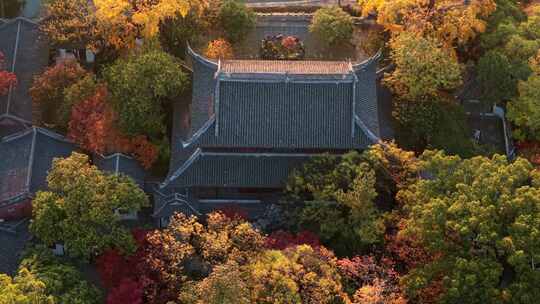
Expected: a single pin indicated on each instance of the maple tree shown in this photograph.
(48, 91)
(92, 125)
(7, 79)
(187, 250)
(219, 49)
(128, 291)
(80, 208)
(283, 239)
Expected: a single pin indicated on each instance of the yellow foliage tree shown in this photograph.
(451, 21)
(124, 19)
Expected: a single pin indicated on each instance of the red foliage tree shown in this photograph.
(92, 126)
(282, 239)
(7, 79)
(234, 212)
(113, 267)
(129, 291)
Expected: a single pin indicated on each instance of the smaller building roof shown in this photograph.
(14, 236)
(26, 55)
(286, 67)
(10, 124)
(119, 163)
(26, 159)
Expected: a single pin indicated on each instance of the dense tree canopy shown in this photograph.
(236, 19)
(48, 91)
(332, 25)
(479, 218)
(524, 110)
(423, 68)
(69, 23)
(80, 208)
(140, 86)
(43, 279)
(454, 22)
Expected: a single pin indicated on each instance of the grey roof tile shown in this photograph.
(28, 157)
(26, 55)
(123, 164)
(12, 245)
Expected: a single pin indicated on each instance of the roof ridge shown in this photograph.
(182, 168)
(16, 19)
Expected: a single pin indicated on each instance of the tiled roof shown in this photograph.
(13, 239)
(10, 124)
(286, 67)
(277, 119)
(258, 170)
(120, 163)
(26, 158)
(26, 55)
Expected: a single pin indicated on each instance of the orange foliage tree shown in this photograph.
(7, 79)
(92, 126)
(219, 49)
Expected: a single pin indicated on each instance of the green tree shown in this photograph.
(236, 19)
(332, 25)
(496, 78)
(25, 288)
(339, 196)
(175, 33)
(524, 110)
(81, 208)
(423, 68)
(140, 86)
(479, 219)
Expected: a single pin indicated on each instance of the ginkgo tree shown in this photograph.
(146, 15)
(451, 21)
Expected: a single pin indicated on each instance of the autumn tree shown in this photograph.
(453, 22)
(332, 25)
(69, 23)
(176, 33)
(7, 79)
(140, 86)
(479, 218)
(296, 275)
(48, 91)
(93, 127)
(219, 49)
(80, 208)
(236, 20)
(188, 250)
(423, 68)
(140, 17)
